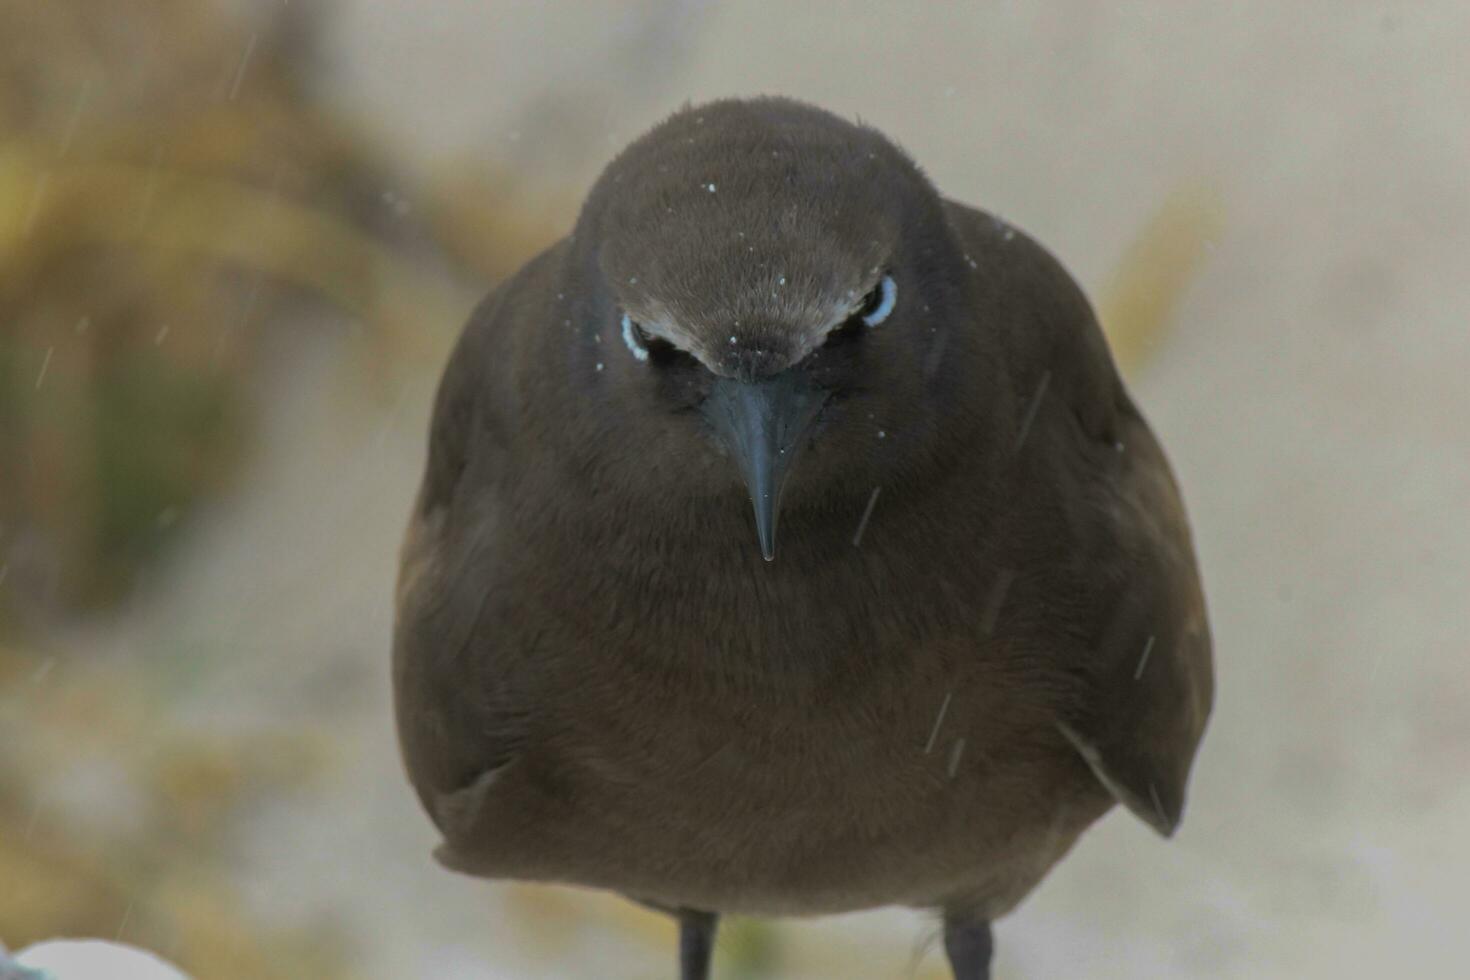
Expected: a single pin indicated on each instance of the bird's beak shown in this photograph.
(763, 424)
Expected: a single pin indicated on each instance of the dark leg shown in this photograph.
(968, 944)
(696, 943)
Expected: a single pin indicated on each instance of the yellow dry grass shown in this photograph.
(1138, 303)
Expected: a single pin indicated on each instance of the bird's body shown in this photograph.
(984, 623)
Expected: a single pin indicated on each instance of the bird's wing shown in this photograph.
(457, 669)
(1142, 654)
(1149, 672)
(459, 723)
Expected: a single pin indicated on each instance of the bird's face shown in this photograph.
(769, 284)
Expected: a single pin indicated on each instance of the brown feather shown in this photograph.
(599, 681)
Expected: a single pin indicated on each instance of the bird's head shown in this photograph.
(776, 279)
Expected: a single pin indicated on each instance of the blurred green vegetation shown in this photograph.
(160, 211)
(151, 227)
(171, 194)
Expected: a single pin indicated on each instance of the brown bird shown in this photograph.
(982, 624)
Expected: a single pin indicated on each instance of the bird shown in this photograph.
(788, 545)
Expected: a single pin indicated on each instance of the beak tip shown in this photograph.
(767, 540)
(762, 424)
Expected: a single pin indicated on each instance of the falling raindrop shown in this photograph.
(957, 750)
(122, 926)
(1143, 660)
(244, 63)
(45, 363)
(857, 538)
(1031, 410)
(938, 720)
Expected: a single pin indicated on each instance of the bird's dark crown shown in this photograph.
(742, 233)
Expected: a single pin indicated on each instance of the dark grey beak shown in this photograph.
(763, 424)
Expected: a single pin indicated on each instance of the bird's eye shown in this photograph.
(878, 304)
(653, 349)
(635, 338)
(873, 310)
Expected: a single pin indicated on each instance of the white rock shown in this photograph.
(95, 959)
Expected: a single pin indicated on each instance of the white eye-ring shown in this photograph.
(888, 295)
(630, 337)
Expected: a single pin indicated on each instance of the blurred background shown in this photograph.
(237, 238)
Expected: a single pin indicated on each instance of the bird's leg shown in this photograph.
(696, 943)
(968, 943)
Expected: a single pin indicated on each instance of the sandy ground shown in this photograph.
(1312, 396)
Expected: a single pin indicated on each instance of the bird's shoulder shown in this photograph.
(479, 398)
(1040, 316)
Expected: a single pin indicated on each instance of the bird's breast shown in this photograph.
(832, 730)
